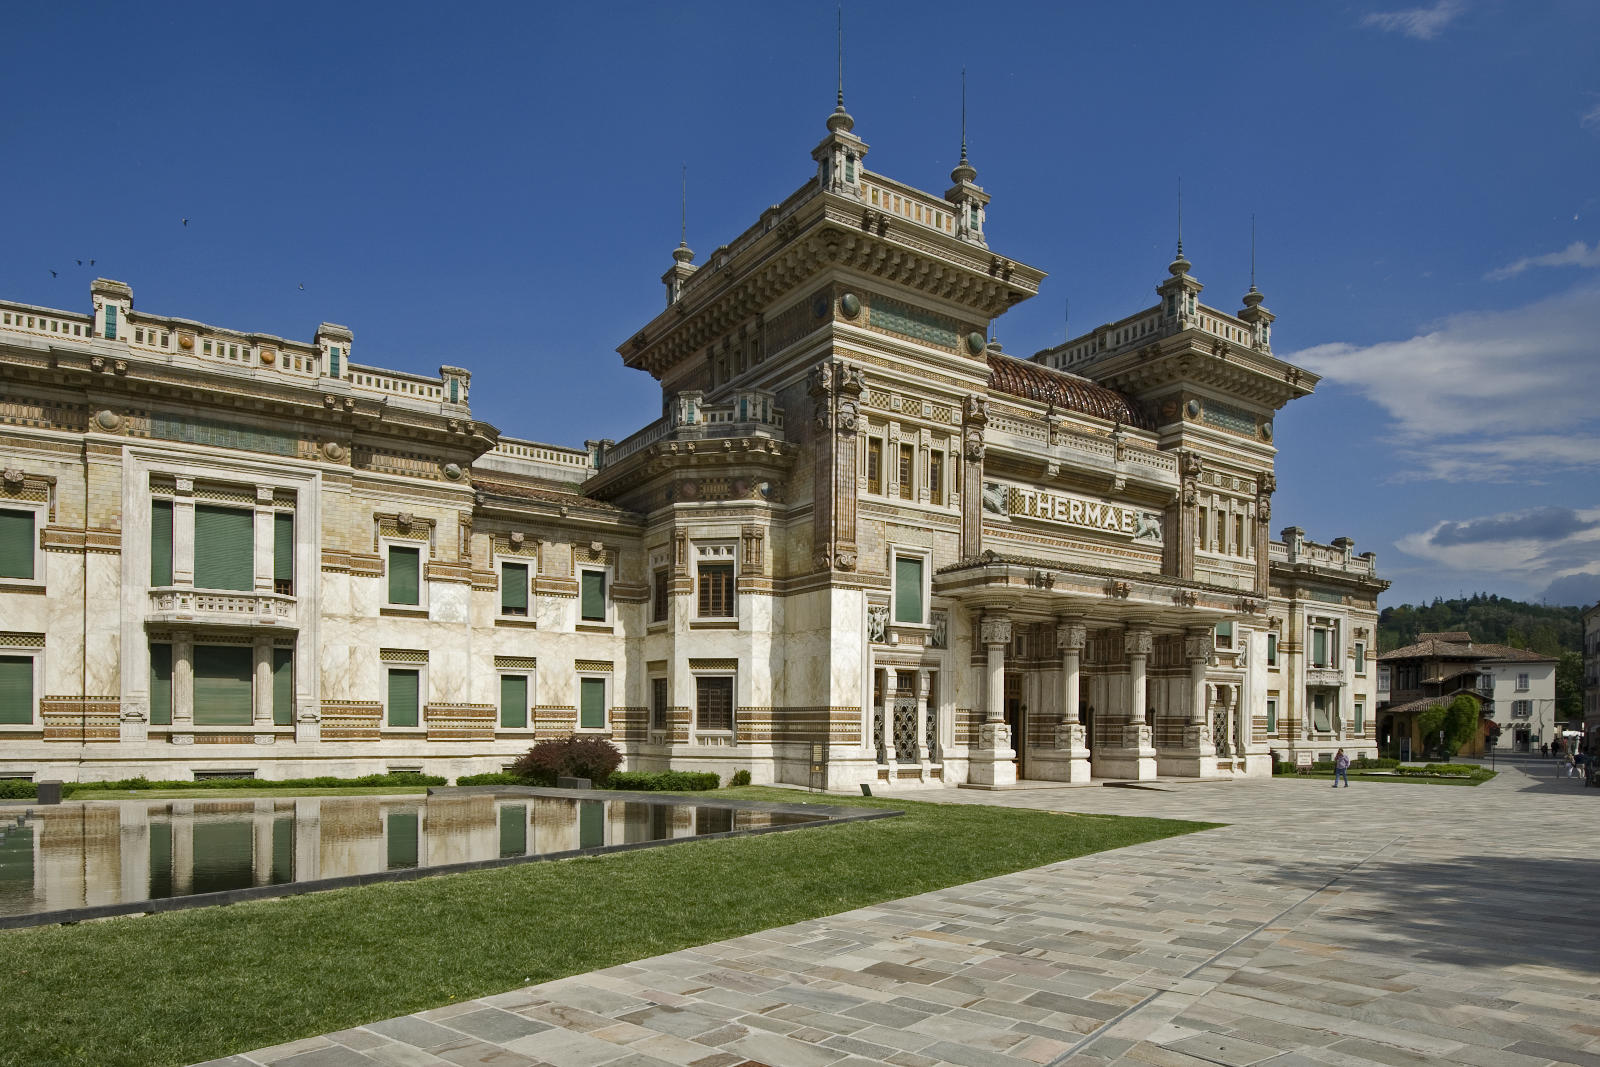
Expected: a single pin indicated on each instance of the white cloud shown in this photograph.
(1554, 548)
(1484, 395)
(1577, 254)
(1591, 120)
(1423, 23)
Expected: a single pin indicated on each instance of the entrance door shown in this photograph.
(1017, 719)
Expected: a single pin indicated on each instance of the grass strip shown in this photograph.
(1410, 779)
(186, 986)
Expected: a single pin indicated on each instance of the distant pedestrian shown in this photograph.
(1341, 769)
(1544, 750)
(1572, 766)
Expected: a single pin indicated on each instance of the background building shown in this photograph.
(861, 543)
(1514, 688)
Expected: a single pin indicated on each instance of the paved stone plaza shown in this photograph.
(1385, 923)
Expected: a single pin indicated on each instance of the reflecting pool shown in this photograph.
(102, 853)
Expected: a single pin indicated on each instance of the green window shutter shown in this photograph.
(222, 676)
(283, 687)
(224, 548)
(1361, 658)
(593, 606)
(403, 693)
(513, 588)
(1272, 716)
(1272, 650)
(514, 701)
(333, 367)
(283, 849)
(908, 589)
(111, 322)
(160, 542)
(514, 830)
(160, 860)
(1225, 634)
(16, 690)
(405, 570)
(16, 862)
(455, 390)
(16, 544)
(160, 685)
(592, 703)
(1319, 648)
(591, 823)
(402, 839)
(283, 547)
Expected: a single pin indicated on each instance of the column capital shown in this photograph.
(1071, 635)
(1197, 643)
(995, 630)
(1138, 641)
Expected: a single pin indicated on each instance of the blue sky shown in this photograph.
(497, 187)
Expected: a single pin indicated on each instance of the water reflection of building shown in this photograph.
(860, 544)
(83, 855)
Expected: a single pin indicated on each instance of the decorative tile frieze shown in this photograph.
(516, 663)
(403, 655)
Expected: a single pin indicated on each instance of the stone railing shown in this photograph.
(1324, 676)
(203, 607)
(29, 321)
(909, 204)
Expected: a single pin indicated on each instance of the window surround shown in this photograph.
(1272, 714)
(36, 654)
(717, 554)
(664, 726)
(41, 515)
(1358, 718)
(389, 607)
(1224, 637)
(1272, 650)
(708, 673)
(607, 620)
(422, 697)
(501, 616)
(1361, 657)
(530, 676)
(660, 595)
(896, 553)
(1522, 683)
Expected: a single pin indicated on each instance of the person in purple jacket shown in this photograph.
(1341, 769)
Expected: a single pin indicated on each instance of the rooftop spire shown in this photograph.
(682, 254)
(1253, 298)
(840, 119)
(1179, 265)
(964, 171)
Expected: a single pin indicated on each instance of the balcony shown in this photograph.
(1324, 676)
(200, 607)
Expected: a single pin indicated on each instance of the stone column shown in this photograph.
(262, 701)
(886, 709)
(1072, 760)
(993, 762)
(923, 685)
(1135, 756)
(182, 685)
(1197, 758)
(183, 532)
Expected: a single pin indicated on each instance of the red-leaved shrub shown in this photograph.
(593, 758)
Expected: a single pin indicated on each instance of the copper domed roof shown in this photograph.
(1068, 392)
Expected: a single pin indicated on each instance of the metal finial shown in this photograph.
(1252, 251)
(683, 223)
(1180, 216)
(1069, 318)
(963, 114)
(841, 55)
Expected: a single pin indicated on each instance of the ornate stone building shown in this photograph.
(861, 543)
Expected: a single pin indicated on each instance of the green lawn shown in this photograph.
(186, 986)
(1442, 779)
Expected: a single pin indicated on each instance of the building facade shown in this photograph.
(860, 544)
(1515, 690)
(1591, 677)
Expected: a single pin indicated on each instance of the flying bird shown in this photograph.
(302, 285)
(91, 263)
(186, 222)
(80, 262)
(53, 274)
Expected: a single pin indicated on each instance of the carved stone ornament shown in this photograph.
(403, 520)
(107, 420)
(452, 471)
(1070, 736)
(1249, 606)
(517, 537)
(183, 486)
(977, 408)
(12, 477)
(1138, 642)
(1197, 644)
(974, 446)
(333, 450)
(877, 622)
(994, 736)
(845, 559)
(1071, 636)
(1136, 736)
(975, 343)
(1186, 598)
(1263, 510)
(1269, 484)
(847, 417)
(821, 383)
(181, 739)
(850, 305)
(1119, 590)
(852, 379)
(941, 630)
(823, 557)
(995, 631)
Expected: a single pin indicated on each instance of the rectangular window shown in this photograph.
(1360, 717)
(908, 606)
(333, 363)
(1272, 649)
(513, 701)
(283, 553)
(1200, 529)
(1522, 683)
(111, 322)
(591, 703)
(1272, 715)
(713, 703)
(660, 602)
(936, 477)
(1361, 657)
(222, 685)
(160, 542)
(224, 548)
(1238, 535)
(514, 589)
(1321, 713)
(402, 840)
(874, 465)
(160, 685)
(1224, 635)
(16, 690)
(591, 823)
(16, 544)
(283, 687)
(908, 459)
(405, 690)
(1319, 647)
(716, 591)
(658, 703)
(513, 825)
(592, 604)
(405, 574)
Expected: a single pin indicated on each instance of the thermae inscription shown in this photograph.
(1023, 502)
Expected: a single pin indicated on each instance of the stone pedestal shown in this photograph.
(1068, 761)
(994, 761)
(1134, 759)
(1197, 758)
(135, 723)
(308, 723)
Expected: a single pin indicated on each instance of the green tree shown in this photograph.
(1430, 721)
(1461, 723)
(1569, 687)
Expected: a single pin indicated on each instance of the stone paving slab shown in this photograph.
(1382, 924)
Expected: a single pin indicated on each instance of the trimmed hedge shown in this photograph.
(492, 778)
(664, 781)
(17, 789)
(325, 782)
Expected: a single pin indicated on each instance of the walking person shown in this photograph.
(1341, 769)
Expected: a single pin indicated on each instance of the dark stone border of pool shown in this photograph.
(830, 815)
